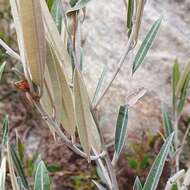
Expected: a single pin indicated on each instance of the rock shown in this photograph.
(105, 33)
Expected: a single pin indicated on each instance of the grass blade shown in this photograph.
(146, 44)
(121, 129)
(137, 184)
(2, 67)
(157, 167)
(3, 173)
(42, 181)
(19, 167)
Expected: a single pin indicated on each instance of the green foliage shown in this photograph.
(158, 165)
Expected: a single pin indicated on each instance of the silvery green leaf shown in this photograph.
(5, 130)
(121, 128)
(57, 14)
(42, 181)
(3, 173)
(99, 186)
(158, 165)
(79, 5)
(146, 44)
(19, 167)
(130, 16)
(175, 80)
(137, 185)
(2, 67)
(99, 85)
(166, 123)
(183, 94)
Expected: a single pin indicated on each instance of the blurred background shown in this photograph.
(104, 37)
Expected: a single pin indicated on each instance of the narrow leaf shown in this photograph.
(146, 44)
(57, 14)
(11, 170)
(99, 186)
(166, 123)
(99, 85)
(79, 5)
(3, 173)
(183, 94)
(19, 167)
(175, 80)
(82, 111)
(88, 132)
(34, 39)
(137, 184)
(5, 130)
(42, 181)
(2, 67)
(121, 129)
(130, 9)
(158, 165)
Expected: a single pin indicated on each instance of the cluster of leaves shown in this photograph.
(14, 157)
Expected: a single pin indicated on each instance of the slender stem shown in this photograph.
(121, 62)
(66, 141)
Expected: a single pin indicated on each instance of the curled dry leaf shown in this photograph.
(134, 98)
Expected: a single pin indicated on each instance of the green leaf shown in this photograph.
(42, 181)
(158, 165)
(144, 162)
(100, 81)
(175, 79)
(121, 128)
(3, 173)
(53, 168)
(57, 14)
(130, 16)
(5, 130)
(19, 167)
(79, 5)
(132, 163)
(166, 123)
(2, 67)
(49, 3)
(73, 2)
(137, 185)
(146, 44)
(20, 149)
(183, 94)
